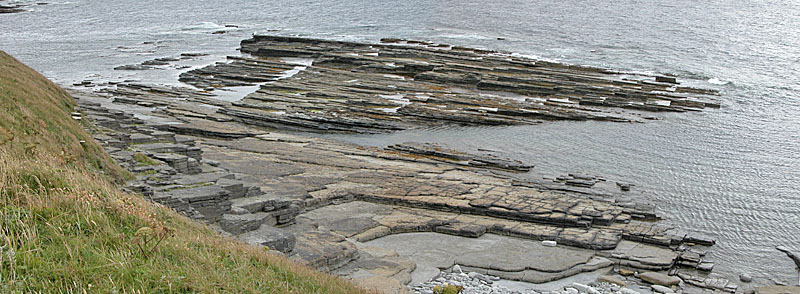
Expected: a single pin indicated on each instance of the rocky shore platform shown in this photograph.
(394, 218)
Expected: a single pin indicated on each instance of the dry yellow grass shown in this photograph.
(66, 228)
(35, 120)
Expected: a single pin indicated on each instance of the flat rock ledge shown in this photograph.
(322, 202)
(483, 159)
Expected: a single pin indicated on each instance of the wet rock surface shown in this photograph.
(10, 9)
(239, 166)
(17, 6)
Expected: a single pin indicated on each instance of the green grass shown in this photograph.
(66, 228)
(147, 173)
(35, 120)
(143, 160)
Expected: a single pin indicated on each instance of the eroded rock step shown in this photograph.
(483, 159)
(239, 72)
(170, 170)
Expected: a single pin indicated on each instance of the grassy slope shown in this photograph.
(65, 228)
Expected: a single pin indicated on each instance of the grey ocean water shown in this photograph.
(733, 173)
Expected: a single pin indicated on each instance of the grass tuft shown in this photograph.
(143, 160)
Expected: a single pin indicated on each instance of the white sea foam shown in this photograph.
(397, 98)
(298, 60)
(389, 110)
(529, 56)
(398, 77)
(467, 36)
(206, 25)
(716, 81)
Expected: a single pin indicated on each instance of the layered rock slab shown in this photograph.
(369, 88)
(479, 255)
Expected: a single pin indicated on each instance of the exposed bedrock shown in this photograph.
(325, 203)
(319, 208)
(370, 88)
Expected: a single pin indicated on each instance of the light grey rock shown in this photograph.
(778, 290)
(472, 283)
(581, 287)
(662, 289)
(611, 280)
(481, 277)
(659, 279)
(642, 256)
(705, 266)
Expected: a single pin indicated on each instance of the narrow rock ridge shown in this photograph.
(482, 159)
(12, 8)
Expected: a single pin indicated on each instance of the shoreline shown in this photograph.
(229, 191)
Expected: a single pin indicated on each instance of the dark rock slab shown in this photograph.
(484, 159)
(238, 224)
(270, 237)
(211, 129)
